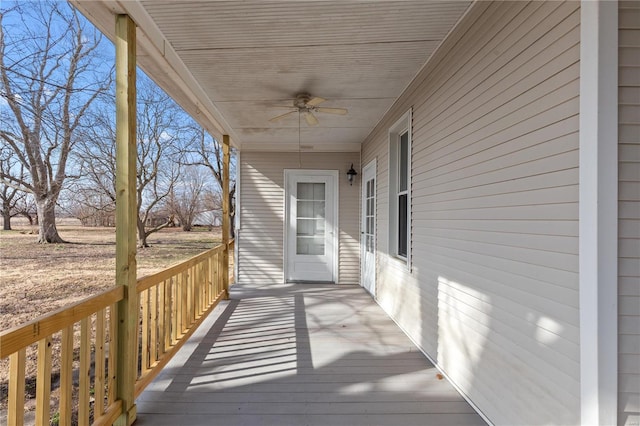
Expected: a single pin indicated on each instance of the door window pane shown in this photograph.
(310, 245)
(305, 209)
(318, 191)
(310, 221)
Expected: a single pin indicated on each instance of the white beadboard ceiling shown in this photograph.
(231, 64)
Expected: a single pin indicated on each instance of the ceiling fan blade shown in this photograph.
(315, 101)
(311, 119)
(339, 111)
(280, 117)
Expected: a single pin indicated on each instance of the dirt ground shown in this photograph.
(36, 279)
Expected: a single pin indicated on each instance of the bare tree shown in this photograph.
(26, 206)
(10, 197)
(160, 129)
(185, 199)
(49, 77)
(91, 207)
(207, 152)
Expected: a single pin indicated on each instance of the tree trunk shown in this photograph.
(6, 218)
(142, 235)
(29, 218)
(47, 231)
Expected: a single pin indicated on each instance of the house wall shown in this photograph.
(492, 294)
(629, 214)
(261, 247)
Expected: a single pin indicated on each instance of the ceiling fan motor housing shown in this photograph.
(301, 100)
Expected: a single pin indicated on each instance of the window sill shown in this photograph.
(398, 262)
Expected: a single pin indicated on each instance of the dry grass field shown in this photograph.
(36, 279)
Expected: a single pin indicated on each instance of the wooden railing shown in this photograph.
(82, 325)
(172, 304)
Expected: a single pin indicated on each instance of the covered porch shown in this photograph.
(483, 219)
(301, 354)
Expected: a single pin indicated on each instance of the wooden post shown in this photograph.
(226, 222)
(125, 42)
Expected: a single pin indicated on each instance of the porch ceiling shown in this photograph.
(231, 64)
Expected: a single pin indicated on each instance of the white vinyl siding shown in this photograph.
(492, 296)
(261, 249)
(629, 214)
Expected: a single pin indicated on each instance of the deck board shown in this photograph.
(301, 355)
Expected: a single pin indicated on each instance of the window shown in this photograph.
(400, 189)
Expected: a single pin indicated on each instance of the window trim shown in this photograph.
(395, 131)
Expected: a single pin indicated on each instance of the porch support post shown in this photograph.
(127, 362)
(598, 212)
(226, 222)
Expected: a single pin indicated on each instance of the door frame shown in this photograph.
(371, 167)
(288, 175)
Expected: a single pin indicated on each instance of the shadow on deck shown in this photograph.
(301, 355)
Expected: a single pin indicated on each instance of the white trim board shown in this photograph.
(598, 214)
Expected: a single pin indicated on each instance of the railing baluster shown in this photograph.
(205, 286)
(153, 325)
(16, 388)
(113, 350)
(43, 382)
(219, 273)
(205, 283)
(85, 371)
(167, 316)
(196, 294)
(175, 303)
(201, 289)
(98, 406)
(66, 376)
(184, 287)
(161, 326)
(189, 298)
(144, 301)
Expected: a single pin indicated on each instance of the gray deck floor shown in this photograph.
(301, 355)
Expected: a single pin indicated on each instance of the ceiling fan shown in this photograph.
(307, 106)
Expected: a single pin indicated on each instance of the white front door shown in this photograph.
(368, 232)
(311, 225)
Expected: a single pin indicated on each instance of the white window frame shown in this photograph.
(399, 128)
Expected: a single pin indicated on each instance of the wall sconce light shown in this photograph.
(351, 173)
